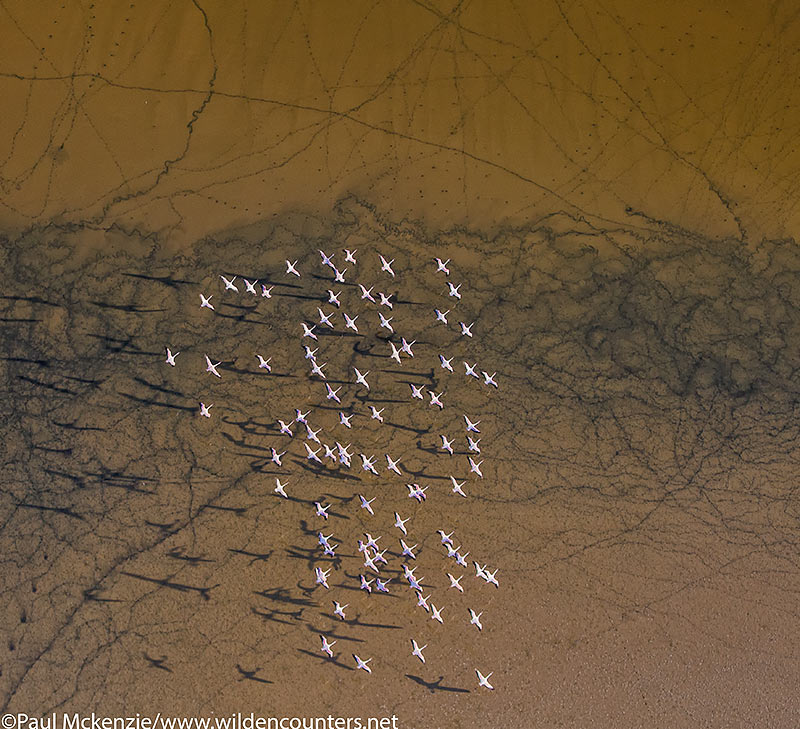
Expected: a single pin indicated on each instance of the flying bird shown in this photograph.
(212, 368)
(229, 285)
(484, 680)
(366, 293)
(386, 265)
(472, 427)
(385, 323)
(457, 487)
(350, 323)
(475, 467)
(361, 379)
(470, 370)
(401, 523)
(326, 647)
(393, 465)
(322, 577)
(367, 504)
(447, 445)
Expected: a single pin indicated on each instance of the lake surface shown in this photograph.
(614, 185)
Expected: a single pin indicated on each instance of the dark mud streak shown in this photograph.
(195, 116)
(727, 203)
(648, 401)
(347, 115)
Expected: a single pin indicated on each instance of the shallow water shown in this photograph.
(614, 187)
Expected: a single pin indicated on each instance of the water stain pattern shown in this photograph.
(640, 486)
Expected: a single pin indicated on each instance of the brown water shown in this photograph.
(614, 183)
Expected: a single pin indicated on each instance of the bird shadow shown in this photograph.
(31, 299)
(73, 426)
(251, 675)
(203, 592)
(410, 373)
(166, 528)
(306, 529)
(284, 285)
(157, 388)
(166, 280)
(270, 615)
(156, 403)
(333, 634)
(417, 431)
(66, 511)
(238, 510)
(326, 659)
(281, 594)
(129, 308)
(157, 662)
(47, 385)
(251, 426)
(27, 360)
(77, 479)
(91, 594)
(246, 308)
(117, 344)
(254, 556)
(192, 560)
(424, 474)
(305, 297)
(434, 686)
(311, 556)
(242, 318)
(322, 471)
(242, 443)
